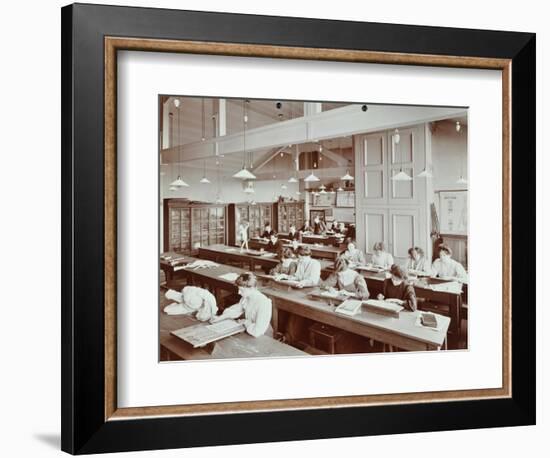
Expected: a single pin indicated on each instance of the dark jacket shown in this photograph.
(319, 228)
(295, 236)
(274, 247)
(266, 234)
(404, 291)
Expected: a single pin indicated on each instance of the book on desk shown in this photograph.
(388, 308)
(349, 307)
(202, 334)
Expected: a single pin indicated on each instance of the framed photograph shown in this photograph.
(205, 290)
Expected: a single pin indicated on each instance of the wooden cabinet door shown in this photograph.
(403, 232)
(372, 179)
(185, 239)
(175, 229)
(376, 228)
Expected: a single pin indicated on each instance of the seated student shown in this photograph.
(274, 245)
(267, 231)
(353, 254)
(417, 261)
(192, 300)
(306, 227)
(308, 270)
(319, 227)
(346, 279)
(293, 234)
(287, 265)
(334, 227)
(397, 287)
(446, 267)
(254, 305)
(350, 233)
(381, 257)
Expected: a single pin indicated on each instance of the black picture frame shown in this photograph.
(84, 428)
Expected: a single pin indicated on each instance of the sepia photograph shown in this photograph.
(295, 228)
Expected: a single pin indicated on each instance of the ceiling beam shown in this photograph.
(338, 158)
(270, 156)
(347, 120)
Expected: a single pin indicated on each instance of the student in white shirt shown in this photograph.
(254, 305)
(353, 254)
(446, 267)
(417, 261)
(308, 270)
(191, 300)
(380, 256)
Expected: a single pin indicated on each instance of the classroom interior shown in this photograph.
(331, 173)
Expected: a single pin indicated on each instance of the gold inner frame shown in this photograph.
(114, 44)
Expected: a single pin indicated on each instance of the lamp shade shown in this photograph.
(244, 174)
(292, 180)
(179, 183)
(424, 174)
(347, 177)
(311, 177)
(205, 180)
(401, 176)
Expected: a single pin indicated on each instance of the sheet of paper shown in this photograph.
(230, 276)
(201, 264)
(224, 326)
(450, 287)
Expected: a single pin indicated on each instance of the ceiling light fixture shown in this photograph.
(461, 180)
(310, 178)
(244, 173)
(178, 182)
(204, 180)
(401, 175)
(347, 176)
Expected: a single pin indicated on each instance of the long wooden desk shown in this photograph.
(224, 254)
(375, 281)
(172, 262)
(331, 240)
(375, 284)
(317, 251)
(238, 346)
(400, 332)
(251, 259)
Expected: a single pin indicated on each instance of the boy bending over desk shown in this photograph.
(396, 287)
(346, 279)
(287, 264)
(255, 306)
